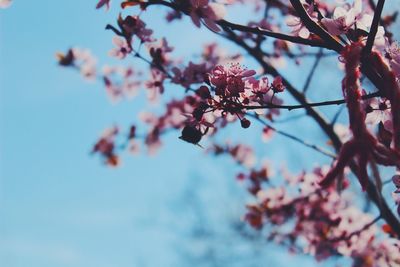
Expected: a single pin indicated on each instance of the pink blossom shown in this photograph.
(298, 28)
(230, 81)
(267, 134)
(273, 197)
(121, 82)
(346, 18)
(208, 13)
(85, 61)
(153, 141)
(260, 86)
(393, 53)
(113, 91)
(122, 48)
(377, 111)
(343, 19)
(155, 85)
(342, 131)
(244, 155)
(277, 85)
(218, 76)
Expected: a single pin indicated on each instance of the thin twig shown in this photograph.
(281, 36)
(291, 118)
(312, 71)
(293, 137)
(365, 227)
(308, 105)
(337, 114)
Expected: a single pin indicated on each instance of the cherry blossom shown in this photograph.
(378, 111)
(393, 53)
(122, 48)
(346, 18)
(121, 82)
(81, 59)
(298, 28)
(343, 18)
(230, 81)
(155, 85)
(208, 13)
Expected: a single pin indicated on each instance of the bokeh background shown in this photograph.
(60, 206)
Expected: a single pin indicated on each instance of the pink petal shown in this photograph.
(195, 19)
(304, 33)
(211, 25)
(248, 73)
(218, 10)
(396, 180)
(292, 21)
(395, 67)
(331, 26)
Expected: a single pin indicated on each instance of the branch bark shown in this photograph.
(374, 28)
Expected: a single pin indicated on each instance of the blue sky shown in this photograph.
(61, 207)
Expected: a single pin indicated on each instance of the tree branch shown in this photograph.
(280, 36)
(374, 27)
(308, 105)
(313, 27)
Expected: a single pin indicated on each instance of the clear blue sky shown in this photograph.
(58, 205)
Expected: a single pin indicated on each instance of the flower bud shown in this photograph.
(245, 123)
(191, 135)
(203, 92)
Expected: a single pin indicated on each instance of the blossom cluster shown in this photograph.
(299, 213)
(311, 212)
(319, 222)
(81, 59)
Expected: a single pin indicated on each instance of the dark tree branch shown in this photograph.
(307, 105)
(280, 36)
(313, 26)
(374, 27)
